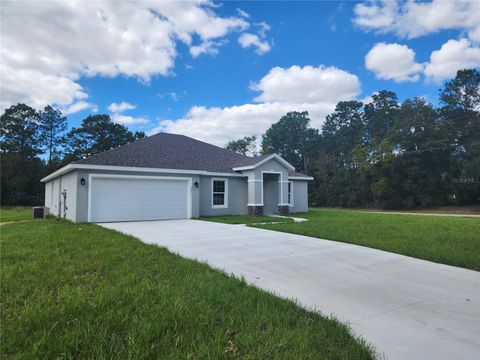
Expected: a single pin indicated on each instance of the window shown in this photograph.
(219, 193)
(290, 193)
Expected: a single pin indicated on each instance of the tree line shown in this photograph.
(35, 143)
(382, 154)
(387, 154)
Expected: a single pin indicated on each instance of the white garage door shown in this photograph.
(126, 198)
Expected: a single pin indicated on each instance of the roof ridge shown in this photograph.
(114, 148)
(203, 142)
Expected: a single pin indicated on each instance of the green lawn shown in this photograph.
(82, 291)
(15, 213)
(245, 219)
(448, 240)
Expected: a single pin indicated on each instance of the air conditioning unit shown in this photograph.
(40, 212)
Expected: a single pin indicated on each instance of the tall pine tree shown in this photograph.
(52, 128)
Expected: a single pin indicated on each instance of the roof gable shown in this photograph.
(262, 160)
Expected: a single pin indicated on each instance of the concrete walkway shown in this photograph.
(407, 308)
(295, 219)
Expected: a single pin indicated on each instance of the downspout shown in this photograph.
(64, 194)
(59, 196)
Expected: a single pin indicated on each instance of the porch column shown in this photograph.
(283, 206)
(255, 194)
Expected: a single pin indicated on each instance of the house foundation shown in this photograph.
(283, 209)
(255, 210)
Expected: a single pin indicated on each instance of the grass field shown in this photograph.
(450, 210)
(82, 291)
(459, 210)
(448, 240)
(244, 219)
(15, 213)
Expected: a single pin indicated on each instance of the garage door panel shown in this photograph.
(135, 199)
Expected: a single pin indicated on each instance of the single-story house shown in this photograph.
(169, 176)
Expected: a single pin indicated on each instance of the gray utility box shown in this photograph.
(40, 211)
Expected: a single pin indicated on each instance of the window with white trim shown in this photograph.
(290, 193)
(219, 193)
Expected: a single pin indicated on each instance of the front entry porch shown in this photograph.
(269, 191)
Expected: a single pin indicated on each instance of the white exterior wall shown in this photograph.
(271, 194)
(300, 196)
(54, 199)
(244, 190)
(255, 182)
(236, 196)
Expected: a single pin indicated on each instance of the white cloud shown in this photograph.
(263, 27)
(313, 89)
(368, 99)
(412, 19)
(376, 15)
(397, 62)
(219, 125)
(243, 13)
(452, 56)
(47, 46)
(128, 120)
(259, 42)
(261, 46)
(37, 89)
(393, 62)
(79, 106)
(174, 96)
(307, 84)
(118, 108)
(206, 47)
(121, 107)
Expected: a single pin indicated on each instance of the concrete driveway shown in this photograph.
(407, 308)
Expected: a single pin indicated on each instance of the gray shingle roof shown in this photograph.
(251, 160)
(296, 174)
(172, 151)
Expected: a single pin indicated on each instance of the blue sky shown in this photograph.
(230, 89)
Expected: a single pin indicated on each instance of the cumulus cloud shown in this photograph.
(121, 107)
(452, 56)
(219, 125)
(118, 108)
(369, 98)
(393, 62)
(307, 84)
(206, 47)
(47, 46)
(79, 106)
(247, 40)
(376, 15)
(259, 42)
(312, 89)
(128, 120)
(35, 88)
(415, 18)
